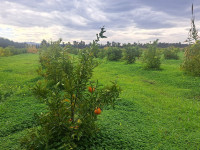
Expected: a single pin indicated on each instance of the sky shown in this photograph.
(125, 21)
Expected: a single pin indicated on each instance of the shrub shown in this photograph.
(114, 53)
(102, 53)
(151, 57)
(171, 53)
(130, 54)
(95, 46)
(70, 49)
(11, 50)
(32, 49)
(71, 104)
(191, 62)
(95, 50)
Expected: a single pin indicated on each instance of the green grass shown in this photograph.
(17, 104)
(157, 110)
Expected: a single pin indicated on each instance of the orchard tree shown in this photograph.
(191, 63)
(73, 100)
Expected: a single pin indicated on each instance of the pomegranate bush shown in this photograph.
(131, 53)
(191, 62)
(72, 99)
(151, 57)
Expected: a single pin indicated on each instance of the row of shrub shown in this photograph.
(150, 56)
(130, 53)
(11, 50)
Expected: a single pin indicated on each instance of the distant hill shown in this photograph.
(32, 43)
(6, 42)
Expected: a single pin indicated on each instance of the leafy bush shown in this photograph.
(191, 62)
(114, 53)
(70, 49)
(32, 49)
(171, 53)
(102, 53)
(95, 50)
(11, 50)
(151, 57)
(73, 100)
(130, 54)
(5, 52)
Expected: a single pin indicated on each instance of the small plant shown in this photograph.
(73, 100)
(114, 53)
(171, 53)
(131, 53)
(70, 49)
(151, 57)
(32, 49)
(102, 53)
(191, 63)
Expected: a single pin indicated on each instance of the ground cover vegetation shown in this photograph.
(158, 109)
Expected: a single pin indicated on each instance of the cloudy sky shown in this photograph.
(125, 20)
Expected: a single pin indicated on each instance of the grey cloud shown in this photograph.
(81, 16)
(172, 7)
(113, 13)
(46, 5)
(113, 6)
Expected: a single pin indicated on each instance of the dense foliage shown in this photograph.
(171, 53)
(151, 57)
(131, 53)
(191, 62)
(31, 49)
(70, 49)
(73, 100)
(11, 50)
(114, 53)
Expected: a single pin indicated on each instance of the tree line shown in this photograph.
(76, 44)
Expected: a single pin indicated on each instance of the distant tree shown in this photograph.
(191, 62)
(108, 44)
(114, 44)
(193, 32)
(114, 53)
(43, 43)
(6, 42)
(130, 54)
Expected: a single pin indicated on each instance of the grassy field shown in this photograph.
(157, 110)
(17, 105)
